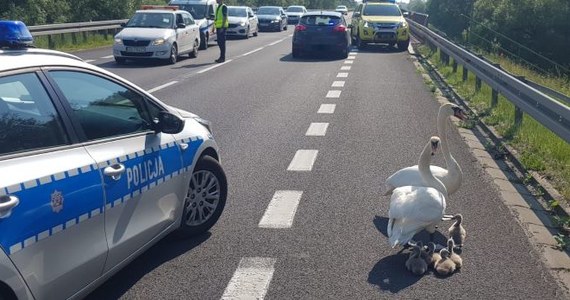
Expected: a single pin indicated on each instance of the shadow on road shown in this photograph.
(167, 249)
(311, 57)
(379, 48)
(390, 274)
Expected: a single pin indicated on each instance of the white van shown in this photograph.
(204, 13)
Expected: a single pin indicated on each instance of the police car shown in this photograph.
(94, 170)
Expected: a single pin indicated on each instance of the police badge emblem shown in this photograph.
(56, 201)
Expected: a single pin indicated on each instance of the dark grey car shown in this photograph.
(272, 18)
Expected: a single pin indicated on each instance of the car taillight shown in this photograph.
(300, 27)
(339, 28)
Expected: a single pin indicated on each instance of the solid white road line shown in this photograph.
(162, 86)
(252, 51)
(348, 61)
(333, 94)
(327, 109)
(351, 57)
(317, 129)
(342, 75)
(214, 66)
(108, 56)
(303, 160)
(276, 42)
(89, 60)
(251, 279)
(345, 68)
(352, 53)
(338, 84)
(281, 210)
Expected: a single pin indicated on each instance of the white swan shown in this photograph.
(413, 208)
(452, 177)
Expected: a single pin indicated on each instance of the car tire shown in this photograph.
(207, 173)
(344, 53)
(403, 46)
(204, 39)
(295, 53)
(173, 55)
(256, 31)
(194, 52)
(120, 60)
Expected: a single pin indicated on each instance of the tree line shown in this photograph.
(534, 31)
(39, 12)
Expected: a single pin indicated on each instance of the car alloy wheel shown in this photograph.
(206, 197)
(173, 55)
(194, 52)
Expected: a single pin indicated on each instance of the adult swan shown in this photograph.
(414, 208)
(450, 177)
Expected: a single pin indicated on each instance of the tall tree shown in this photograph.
(449, 15)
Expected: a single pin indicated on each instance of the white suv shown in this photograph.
(157, 32)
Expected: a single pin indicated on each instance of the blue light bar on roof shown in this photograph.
(15, 34)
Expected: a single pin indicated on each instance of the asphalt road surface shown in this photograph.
(262, 103)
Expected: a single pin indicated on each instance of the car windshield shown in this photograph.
(268, 11)
(237, 12)
(151, 20)
(381, 10)
(198, 11)
(295, 9)
(320, 20)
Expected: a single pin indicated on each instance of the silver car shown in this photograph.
(243, 22)
(94, 171)
(157, 33)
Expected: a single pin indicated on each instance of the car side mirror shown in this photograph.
(356, 14)
(180, 25)
(169, 123)
(212, 17)
(123, 24)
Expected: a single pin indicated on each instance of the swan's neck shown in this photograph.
(452, 166)
(425, 172)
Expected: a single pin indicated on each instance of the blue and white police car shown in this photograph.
(94, 170)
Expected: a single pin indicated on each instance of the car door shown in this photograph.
(183, 35)
(141, 168)
(356, 17)
(51, 223)
(252, 20)
(193, 28)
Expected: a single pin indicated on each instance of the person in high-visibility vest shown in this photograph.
(221, 22)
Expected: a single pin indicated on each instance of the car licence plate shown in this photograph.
(136, 49)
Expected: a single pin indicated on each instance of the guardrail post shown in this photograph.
(74, 38)
(465, 73)
(84, 33)
(50, 42)
(454, 65)
(494, 98)
(477, 84)
(518, 116)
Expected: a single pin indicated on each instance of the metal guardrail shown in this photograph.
(528, 97)
(42, 30)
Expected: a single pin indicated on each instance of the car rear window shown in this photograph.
(295, 9)
(320, 20)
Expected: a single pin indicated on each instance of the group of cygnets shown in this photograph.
(418, 202)
(444, 263)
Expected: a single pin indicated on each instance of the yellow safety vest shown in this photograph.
(220, 18)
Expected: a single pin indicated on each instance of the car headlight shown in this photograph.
(403, 24)
(368, 25)
(118, 41)
(242, 24)
(158, 42)
(275, 21)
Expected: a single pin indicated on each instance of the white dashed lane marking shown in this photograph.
(348, 61)
(327, 109)
(351, 57)
(317, 129)
(342, 75)
(251, 279)
(345, 68)
(89, 60)
(253, 51)
(162, 86)
(338, 84)
(281, 210)
(213, 67)
(333, 94)
(303, 160)
(108, 56)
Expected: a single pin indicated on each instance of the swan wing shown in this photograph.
(410, 176)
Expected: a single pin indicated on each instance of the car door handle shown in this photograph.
(115, 171)
(7, 203)
(183, 146)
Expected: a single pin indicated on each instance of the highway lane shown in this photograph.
(261, 106)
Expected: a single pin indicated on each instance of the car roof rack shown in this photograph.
(161, 7)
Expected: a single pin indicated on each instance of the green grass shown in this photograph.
(537, 147)
(66, 42)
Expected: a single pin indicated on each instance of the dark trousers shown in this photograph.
(221, 34)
